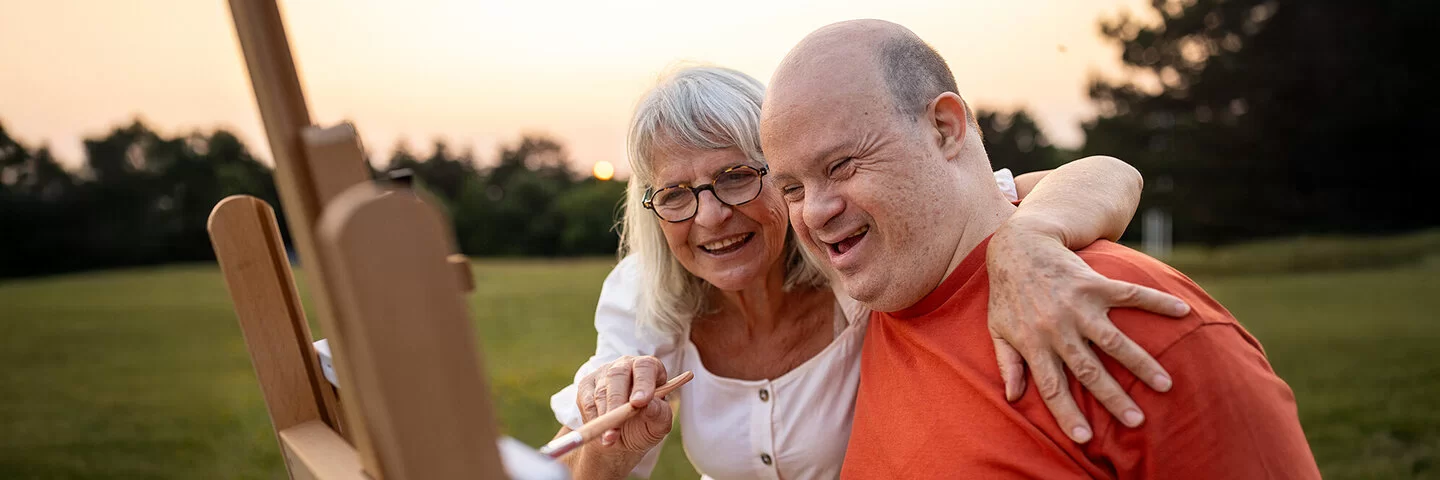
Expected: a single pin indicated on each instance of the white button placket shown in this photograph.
(762, 433)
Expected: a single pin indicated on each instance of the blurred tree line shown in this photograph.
(1248, 118)
(1255, 118)
(1014, 141)
(141, 199)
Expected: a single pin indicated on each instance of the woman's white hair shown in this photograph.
(698, 107)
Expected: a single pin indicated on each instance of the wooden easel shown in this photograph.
(387, 290)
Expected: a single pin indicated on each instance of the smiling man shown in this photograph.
(888, 182)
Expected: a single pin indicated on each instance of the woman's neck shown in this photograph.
(761, 304)
(763, 331)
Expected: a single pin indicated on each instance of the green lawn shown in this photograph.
(143, 374)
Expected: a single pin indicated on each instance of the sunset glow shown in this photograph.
(477, 74)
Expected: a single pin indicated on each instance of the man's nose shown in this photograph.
(711, 212)
(820, 207)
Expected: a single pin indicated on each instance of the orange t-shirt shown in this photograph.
(932, 405)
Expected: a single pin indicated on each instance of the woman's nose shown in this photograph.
(711, 211)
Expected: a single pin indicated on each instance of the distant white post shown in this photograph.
(1156, 232)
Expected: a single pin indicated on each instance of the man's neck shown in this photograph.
(984, 220)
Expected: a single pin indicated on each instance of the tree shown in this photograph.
(1265, 117)
(35, 199)
(589, 213)
(144, 198)
(1013, 140)
(401, 157)
(141, 199)
(443, 174)
(35, 175)
(536, 153)
(512, 210)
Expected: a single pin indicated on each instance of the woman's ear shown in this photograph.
(949, 117)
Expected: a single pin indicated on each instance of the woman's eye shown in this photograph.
(669, 196)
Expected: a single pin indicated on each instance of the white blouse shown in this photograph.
(795, 426)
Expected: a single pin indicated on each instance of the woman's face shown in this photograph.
(732, 247)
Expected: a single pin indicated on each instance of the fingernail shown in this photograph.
(637, 396)
(1162, 383)
(1181, 308)
(1133, 418)
(1081, 434)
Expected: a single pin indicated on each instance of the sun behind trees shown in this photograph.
(140, 199)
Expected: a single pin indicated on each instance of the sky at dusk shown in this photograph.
(478, 74)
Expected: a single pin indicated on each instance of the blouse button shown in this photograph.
(765, 457)
(764, 395)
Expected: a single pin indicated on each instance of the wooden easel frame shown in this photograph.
(381, 272)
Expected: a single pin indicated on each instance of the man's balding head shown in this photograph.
(873, 149)
(912, 72)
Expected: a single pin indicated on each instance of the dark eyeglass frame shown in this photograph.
(695, 190)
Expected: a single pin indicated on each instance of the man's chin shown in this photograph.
(859, 288)
(875, 294)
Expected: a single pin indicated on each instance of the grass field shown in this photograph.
(143, 374)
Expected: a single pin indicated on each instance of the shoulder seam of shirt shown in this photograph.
(1132, 262)
(1156, 283)
(1135, 382)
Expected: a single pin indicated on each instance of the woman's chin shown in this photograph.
(734, 277)
(732, 281)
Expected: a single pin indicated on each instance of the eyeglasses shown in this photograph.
(735, 186)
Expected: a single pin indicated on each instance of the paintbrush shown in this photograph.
(597, 427)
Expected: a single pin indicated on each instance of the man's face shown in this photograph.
(868, 189)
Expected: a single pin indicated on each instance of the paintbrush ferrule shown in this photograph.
(562, 445)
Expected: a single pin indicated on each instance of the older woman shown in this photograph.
(713, 282)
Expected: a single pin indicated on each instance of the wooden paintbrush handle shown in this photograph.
(591, 431)
(616, 417)
(673, 384)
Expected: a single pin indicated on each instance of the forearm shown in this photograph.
(1082, 201)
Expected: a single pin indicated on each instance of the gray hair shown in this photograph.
(701, 108)
(914, 73)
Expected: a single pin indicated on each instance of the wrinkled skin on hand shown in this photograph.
(627, 380)
(1046, 307)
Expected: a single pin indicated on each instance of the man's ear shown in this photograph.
(948, 116)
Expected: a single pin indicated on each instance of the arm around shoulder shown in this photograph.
(1082, 201)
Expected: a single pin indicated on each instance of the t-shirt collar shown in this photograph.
(973, 262)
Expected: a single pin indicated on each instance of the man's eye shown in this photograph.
(792, 192)
(840, 166)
